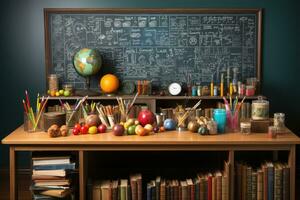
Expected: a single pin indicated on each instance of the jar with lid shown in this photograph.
(279, 119)
(53, 82)
(245, 127)
(260, 109)
(68, 87)
(250, 90)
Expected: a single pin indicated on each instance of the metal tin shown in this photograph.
(260, 109)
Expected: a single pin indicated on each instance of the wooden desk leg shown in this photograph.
(82, 175)
(12, 173)
(292, 164)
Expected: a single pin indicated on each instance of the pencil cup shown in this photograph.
(111, 120)
(72, 117)
(219, 116)
(30, 124)
(232, 121)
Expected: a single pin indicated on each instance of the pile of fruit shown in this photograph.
(54, 93)
(203, 126)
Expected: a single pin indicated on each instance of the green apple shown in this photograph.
(66, 93)
(61, 92)
(131, 130)
(93, 130)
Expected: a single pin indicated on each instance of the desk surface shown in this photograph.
(20, 137)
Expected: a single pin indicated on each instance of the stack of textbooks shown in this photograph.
(203, 186)
(122, 189)
(270, 181)
(51, 177)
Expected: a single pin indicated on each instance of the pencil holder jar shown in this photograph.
(32, 122)
(232, 121)
(219, 116)
(72, 117)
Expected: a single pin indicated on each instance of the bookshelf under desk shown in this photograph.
(19, 140)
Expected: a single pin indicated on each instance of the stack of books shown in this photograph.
(122, 189)
(270, 181)
(50, 177)
(203, 186)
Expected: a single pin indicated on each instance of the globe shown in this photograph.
(87, 62)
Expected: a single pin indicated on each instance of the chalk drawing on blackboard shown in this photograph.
(159, 47)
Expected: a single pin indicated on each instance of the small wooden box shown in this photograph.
(260, 126)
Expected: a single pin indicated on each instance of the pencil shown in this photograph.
(27, 98)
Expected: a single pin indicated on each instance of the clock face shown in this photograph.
(174, 88)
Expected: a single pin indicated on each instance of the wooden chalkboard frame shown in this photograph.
(256, 11)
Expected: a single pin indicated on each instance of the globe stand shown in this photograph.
(87, 91)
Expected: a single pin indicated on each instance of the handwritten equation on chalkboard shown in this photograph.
(162, 47)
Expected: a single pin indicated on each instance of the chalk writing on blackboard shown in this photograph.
(158, 47)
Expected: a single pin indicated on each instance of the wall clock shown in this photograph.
(174, 89)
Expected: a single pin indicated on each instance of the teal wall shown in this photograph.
(22, 51)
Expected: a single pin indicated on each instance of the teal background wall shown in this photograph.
(23, 66)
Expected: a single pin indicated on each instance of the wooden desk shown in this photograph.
(19, 140)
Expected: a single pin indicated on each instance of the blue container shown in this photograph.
(220, 117)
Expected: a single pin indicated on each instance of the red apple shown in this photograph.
(77, 126)
(75, 131)
(101, 128)
(84, 129)
(118, 130)
(146, 117)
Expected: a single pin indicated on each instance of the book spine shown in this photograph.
(162, 192)
(153, 193)
(244, 182)
(133, 184)
(139, 189)
(201, 189)
(205, 190)
(286, 183)
(260, 184)
(176, 192)
(270, 183)
(148, 193)
(209, 187)
(238, 182)
(219, 187)
(249, 183)
(265, 181)
(213, 188)
(224, 188)
(254, 186)
(277, 184)
(54, 167)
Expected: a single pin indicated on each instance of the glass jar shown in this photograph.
(245, 127)
(279, 119)
(53, 82)
(68, 87)
(250, 90)
(260, 109)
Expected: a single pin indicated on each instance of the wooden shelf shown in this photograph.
(19, 140)
(142, 97)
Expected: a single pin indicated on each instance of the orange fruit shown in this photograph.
(109, 83)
